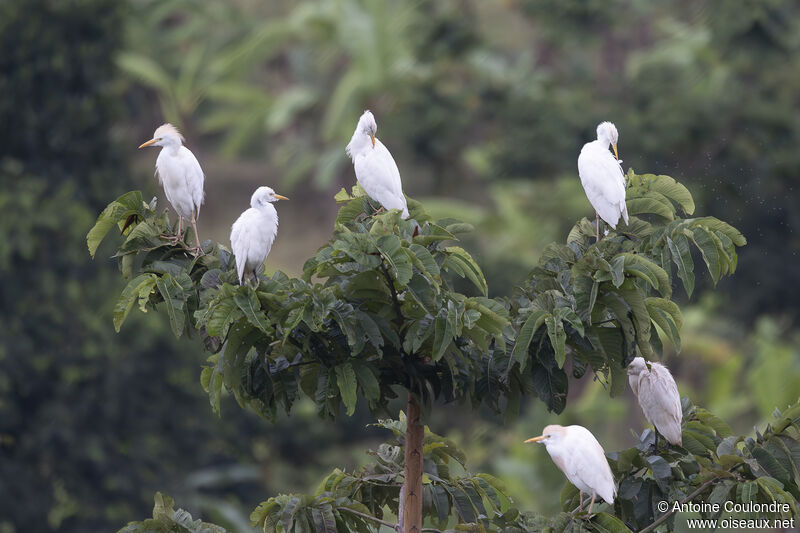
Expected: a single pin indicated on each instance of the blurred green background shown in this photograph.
(485, 105)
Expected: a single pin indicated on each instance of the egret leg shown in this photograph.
(591, 505)
(580, 504)
(175, 239)
(197, 249)
(597, 215)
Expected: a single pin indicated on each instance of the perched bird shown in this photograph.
(577, 453)
(254, 232)
(658, 397)
(375, 168)
(602, 177)
(181, 176)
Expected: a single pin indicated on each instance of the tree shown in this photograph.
(380, 309)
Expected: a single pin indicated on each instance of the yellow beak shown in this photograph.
(148, 143)
(372, 138)
(279, 197)
(616, 154)
(535, 439)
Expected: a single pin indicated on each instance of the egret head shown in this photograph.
(607, 134)
(165, 135)
(264, 196)
(551, 434)
(637, 366)
(367, 125)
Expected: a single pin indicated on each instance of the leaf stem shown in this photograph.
(689, 498)
(369, 517)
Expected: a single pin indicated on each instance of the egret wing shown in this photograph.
(194, 177)
(587, 465)
(241, 240)
(661, 402)
(378, 174)
(602, 179)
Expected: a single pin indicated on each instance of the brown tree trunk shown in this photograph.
(412, 504)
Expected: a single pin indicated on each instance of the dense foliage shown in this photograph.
(379, 309)
(713, 467)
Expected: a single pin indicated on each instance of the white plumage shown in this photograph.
(658, 397)
(180, 175)
(375, 168)
(602, 177)
(576, 452)
(254, 232)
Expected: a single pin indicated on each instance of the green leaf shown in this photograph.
(175, 297)
(247, 301)
(115, 213)
(443, 334)
(526, 332)
(610, 523)
(558, 337)
(639, 266)
(682, 256)
(705, 242)
(138, 288)
(651, 203)
(369, 383)
(346, 379)
(461, 262)
(399, 264)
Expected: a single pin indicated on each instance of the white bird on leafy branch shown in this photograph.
(181, 176)
(602, 177)
(658, 397)
(576, 452)
(254, 232)
(375, 168)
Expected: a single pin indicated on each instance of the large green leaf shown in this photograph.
(346, 380)
(459, 261)
(116, 213)
(139, 288)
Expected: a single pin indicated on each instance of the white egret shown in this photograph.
(577, 453)
(254, 232)
(602, 177)
(181, 176)
(375, 168)
(658, 397)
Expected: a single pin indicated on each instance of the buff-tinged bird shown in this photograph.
(376, 171)
(254, 232)
(658, 397)
(576, 452)
(180, 175)
(602, 177)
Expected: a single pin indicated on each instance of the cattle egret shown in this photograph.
(375, 168)
(577, 453)
(181, 176)
(658, 397)
(254, 232)
(602, 178)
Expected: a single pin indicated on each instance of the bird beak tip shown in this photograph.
(534, 439)
(148, 143)
(372, 138)
(616, 154)
(280, 197)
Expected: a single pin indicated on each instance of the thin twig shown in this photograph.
(368, 517)
(395, 299)
(689, 498)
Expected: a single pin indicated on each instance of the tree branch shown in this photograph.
(689, 498)
(369, 517)
(395, 299)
